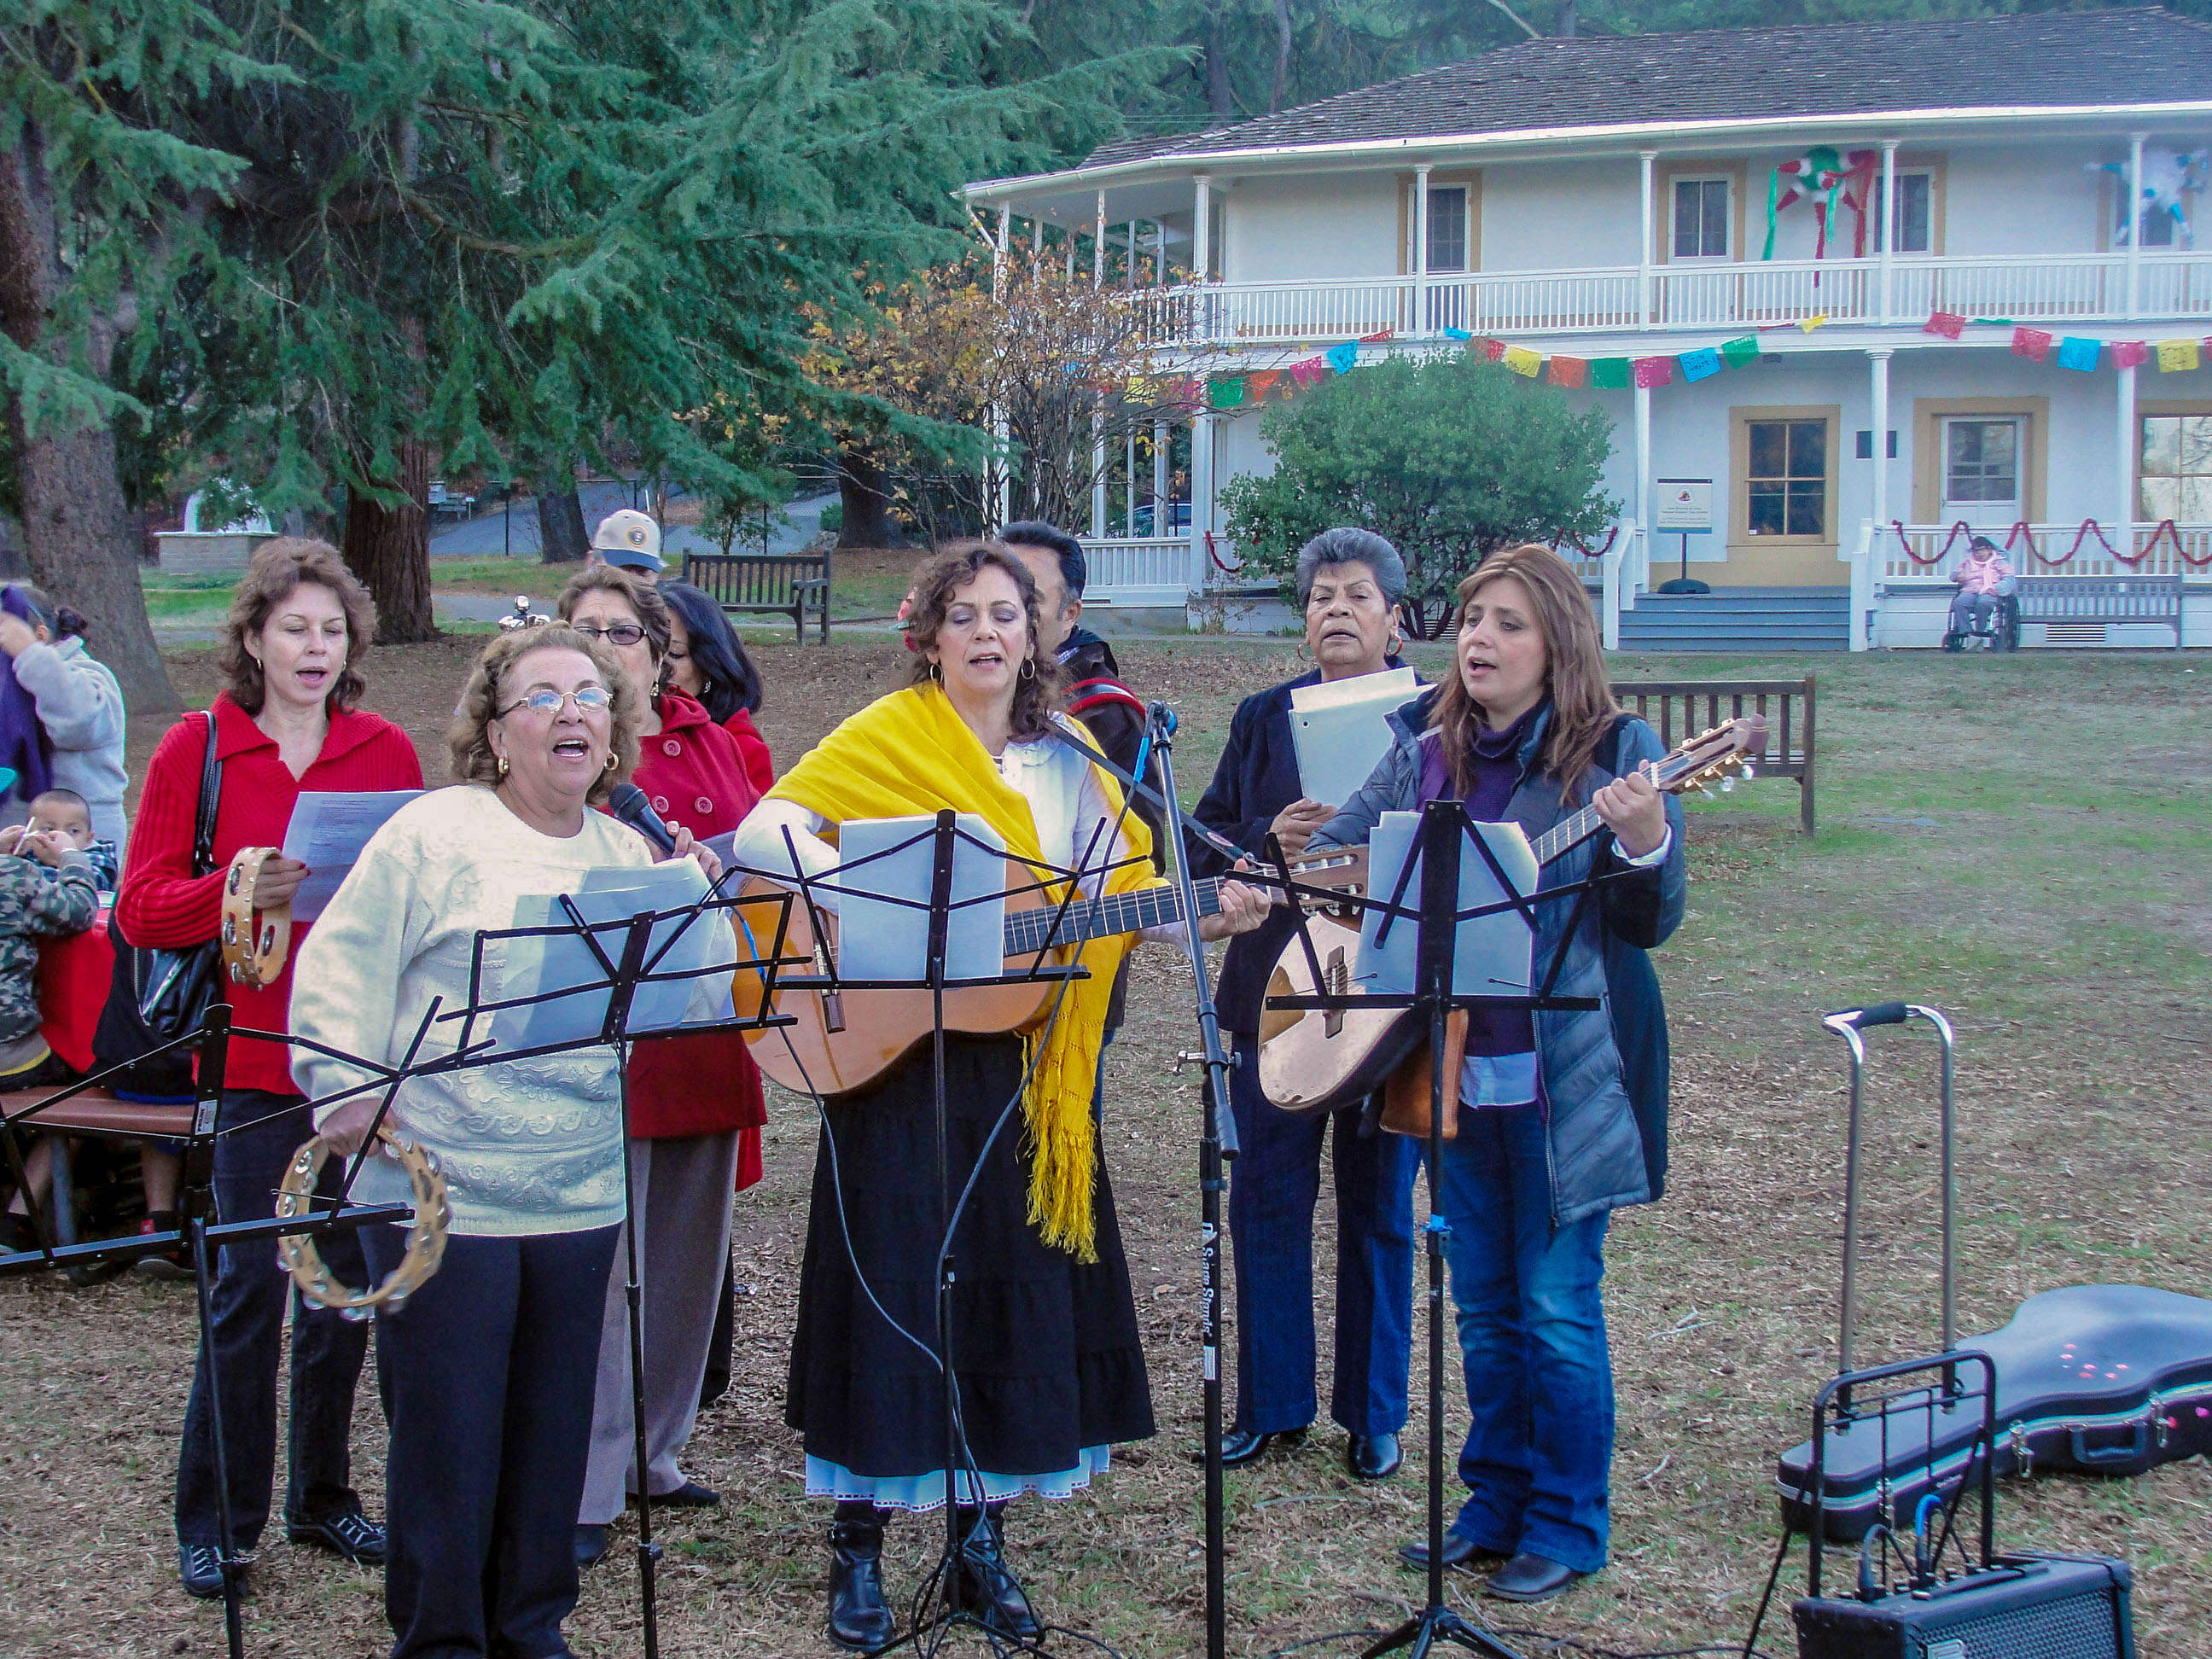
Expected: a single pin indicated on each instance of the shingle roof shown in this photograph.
(2135, 56)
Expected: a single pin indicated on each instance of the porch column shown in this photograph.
(999, 247)
(1097, 466)
(1644, 158)
(1421, 249)
(2134, 223)
(2128, 439)
(1129, 269)
(1098, 244)
(1886, 228)
(1643, 497)
(1159, 254)
(1201, 228)
(1880, 362)
(1002, 495)
(1201, 493)
(1163, 514)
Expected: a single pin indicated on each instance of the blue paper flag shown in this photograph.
(1457, 334)
(2074, 352)
(1699, 365)
(1342, 357)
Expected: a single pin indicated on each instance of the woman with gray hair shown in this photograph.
(1350, 583)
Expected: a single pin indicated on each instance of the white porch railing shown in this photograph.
(1148, 572)
(1925, 552)
(2074, 288)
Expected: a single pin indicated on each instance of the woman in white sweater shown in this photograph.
(490, 1365)
(80, 707)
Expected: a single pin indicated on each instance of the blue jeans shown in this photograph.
(261, 1131)
(1539, 1451)
(1273, 1187)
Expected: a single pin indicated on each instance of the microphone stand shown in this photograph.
(1216, 1144)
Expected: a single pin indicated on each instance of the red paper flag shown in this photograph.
(1493, 350)
(1258, 385)
(1379, 334)
(2131, 354)
(1654, 371)
(1569, 371)
(1306, 373)
(2031, 343)
(1949, 324)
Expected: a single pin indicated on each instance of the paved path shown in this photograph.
(514, 530)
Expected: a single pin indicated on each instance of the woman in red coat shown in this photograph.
(285, 722)
(695, 1106)
(707, 663)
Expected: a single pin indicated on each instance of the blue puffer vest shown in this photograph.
(1606, 1130)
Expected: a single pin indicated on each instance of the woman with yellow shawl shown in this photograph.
(1048, 1367)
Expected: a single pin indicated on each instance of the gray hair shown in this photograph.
(1345, 545)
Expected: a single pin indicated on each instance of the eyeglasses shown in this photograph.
(620, 633)
(590, 700)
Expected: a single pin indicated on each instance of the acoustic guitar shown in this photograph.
(1311, 1061)
(843, 1040)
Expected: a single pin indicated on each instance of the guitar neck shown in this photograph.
(1027, 931)
(1566, 834)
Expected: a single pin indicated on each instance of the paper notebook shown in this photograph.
(1340, 730)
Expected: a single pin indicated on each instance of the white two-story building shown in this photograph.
(1967, 327)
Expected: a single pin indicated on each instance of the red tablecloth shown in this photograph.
(74, 974)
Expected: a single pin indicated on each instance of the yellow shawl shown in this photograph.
(910, 753)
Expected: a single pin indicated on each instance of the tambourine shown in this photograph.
(426, 1236)
(254, 942)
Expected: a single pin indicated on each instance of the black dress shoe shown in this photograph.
(1241, 1446)
(688, 1496)
(591, 1546)
(351, 1535)
(1459, 1551)
(985, 1588)
(860, 1617)
(1530, 1578)
(1373, 1456)
(200, 1567)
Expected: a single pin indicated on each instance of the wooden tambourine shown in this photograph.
(254, 942)
(426, 1236)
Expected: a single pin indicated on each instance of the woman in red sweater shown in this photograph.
(285, 722)
(706, 664)
(695, 1106)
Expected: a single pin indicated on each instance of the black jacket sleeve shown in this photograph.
(1226, 808)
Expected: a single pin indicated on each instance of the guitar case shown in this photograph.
(2093, 1379)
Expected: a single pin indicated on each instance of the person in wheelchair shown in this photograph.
(1982, 607)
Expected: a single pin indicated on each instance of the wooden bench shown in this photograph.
(2076, 610)
(95, 1112)
(1677, 710)
(791, 585)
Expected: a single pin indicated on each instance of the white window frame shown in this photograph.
(1728, 184)
(1886, 220)
(1466, 228)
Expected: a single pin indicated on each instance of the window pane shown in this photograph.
(1770, 448)
(2157, 227)
(2192, 501)
(1805, 516)
(1701, 219)
(1809, 449)
(1448, 228)
(2161, 445)
(1766, 509)
(1981, 460)
(2162, 499)
(1715, 226)
(2193, 450)
(1914, 192)
(1687, 212)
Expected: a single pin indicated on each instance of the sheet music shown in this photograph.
(532, 967)
(328, 830)
(1491, 955)
(1341, 730)
(880, 939)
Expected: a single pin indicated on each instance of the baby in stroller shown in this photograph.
(1982, 608)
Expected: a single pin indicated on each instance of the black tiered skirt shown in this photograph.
(1045, 1348)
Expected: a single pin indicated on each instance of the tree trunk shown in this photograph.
(1219, 97)
(560, 537)
(865, 494)
(1282, 55)
(389, 549)
(76, 530)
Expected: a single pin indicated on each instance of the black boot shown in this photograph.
(983, 1586)
(859, 1616)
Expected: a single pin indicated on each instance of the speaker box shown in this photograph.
(2027, 1606)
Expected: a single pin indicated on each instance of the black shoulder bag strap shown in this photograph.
(211, 791)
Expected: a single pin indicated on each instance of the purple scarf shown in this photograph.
(23, 742)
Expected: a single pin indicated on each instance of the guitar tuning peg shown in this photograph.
(1748, 770)
(1728, 786)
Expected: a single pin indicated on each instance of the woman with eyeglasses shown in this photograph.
(695, 1106)
(709, 663)
(489, 1364)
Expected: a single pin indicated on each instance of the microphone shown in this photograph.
(628, 803)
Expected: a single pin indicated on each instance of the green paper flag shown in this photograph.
(1740, 353)
(1610, 374)
(1227, 391)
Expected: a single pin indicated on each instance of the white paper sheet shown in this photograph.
(533, 967)
(1340, 730)
(1493, 955)
(879, 939)
(328, 830)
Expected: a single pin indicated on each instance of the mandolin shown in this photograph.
(1313, 1060)
(843, 1040)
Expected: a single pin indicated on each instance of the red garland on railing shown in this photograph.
(2089, 528)
(2170, 531)
(1225, 569)
(1942, 553)
(1584, 548)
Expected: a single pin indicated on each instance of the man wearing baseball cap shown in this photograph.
(631, 540)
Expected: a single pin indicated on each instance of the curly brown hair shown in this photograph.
(278, 570)
(645, 604)
(1582, 704)
(469, 736)
(1036, 693)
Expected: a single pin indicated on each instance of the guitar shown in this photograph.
(1313, 1060)
(844, 1039)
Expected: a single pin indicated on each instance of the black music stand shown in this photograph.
(635, 964)
(212, 1040)
(935, 1596)
(1444, 829)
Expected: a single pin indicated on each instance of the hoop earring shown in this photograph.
(937, 673)
(1029, 668)
(502, 766)
(613, 761)
(1397, 642)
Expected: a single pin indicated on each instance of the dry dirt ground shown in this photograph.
(2020, 842)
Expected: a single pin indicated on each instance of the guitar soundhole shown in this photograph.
(1337, 976)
